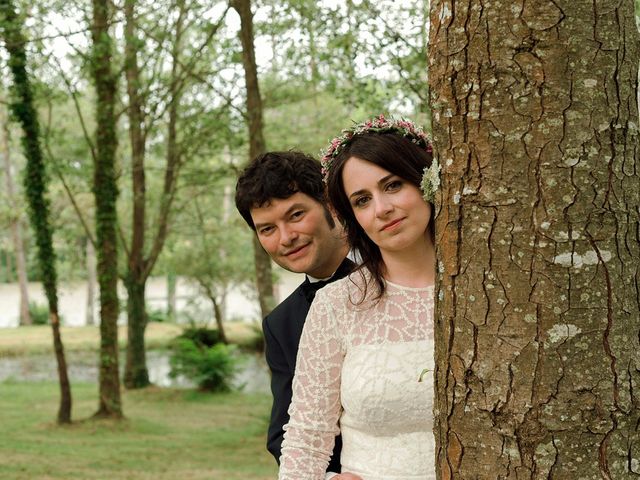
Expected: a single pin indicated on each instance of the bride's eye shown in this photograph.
(361, 201)
(394, 185)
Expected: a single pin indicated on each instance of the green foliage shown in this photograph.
(39, 313)
(157, 315)
(201, 336)
(211, 368)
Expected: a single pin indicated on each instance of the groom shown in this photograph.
(281, 197)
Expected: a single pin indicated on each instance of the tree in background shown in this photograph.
(35, 186)
(105, 191)
(14, 214)
(536, 128)
(214, 249)
(257, 144)
(183, 44)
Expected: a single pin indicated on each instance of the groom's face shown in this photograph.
(296, 233)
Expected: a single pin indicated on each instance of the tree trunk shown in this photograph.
(538, 313)
(16, 222)
(257, 146)
(35, 187)
(105, 191)
(91, 282)
(171, 297)
(217, 314)
(136, 374)
(139, 266)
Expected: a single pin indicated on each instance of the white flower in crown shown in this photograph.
(430, 181)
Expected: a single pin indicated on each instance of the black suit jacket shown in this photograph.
(282, 329)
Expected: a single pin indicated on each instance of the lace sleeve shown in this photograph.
(315, 408)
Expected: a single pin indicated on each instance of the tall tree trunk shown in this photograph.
(16, 221)
(171, 297)
(136, 374)
(91, 282)
(139, 266)
(538, 309)
(105, 191)
(257, 146)
(36, 188)
(217, 312)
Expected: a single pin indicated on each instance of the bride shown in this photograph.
(368, 338)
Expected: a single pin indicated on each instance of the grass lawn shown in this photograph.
(38, 338)
(168, 434)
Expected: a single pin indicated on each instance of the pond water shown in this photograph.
(252, 376)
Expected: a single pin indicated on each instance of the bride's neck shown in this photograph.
(411, 268)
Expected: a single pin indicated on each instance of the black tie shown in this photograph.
(310, 288)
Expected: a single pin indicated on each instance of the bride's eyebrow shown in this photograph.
(382, 181)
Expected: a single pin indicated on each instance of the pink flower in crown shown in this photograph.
(402, 127)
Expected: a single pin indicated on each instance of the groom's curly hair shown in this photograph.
(279, 175)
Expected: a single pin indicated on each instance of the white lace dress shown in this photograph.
(357, 374)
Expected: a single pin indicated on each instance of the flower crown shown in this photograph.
(431, 175)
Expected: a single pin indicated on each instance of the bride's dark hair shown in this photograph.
(398, 156)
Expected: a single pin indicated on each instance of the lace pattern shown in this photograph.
(357, 373)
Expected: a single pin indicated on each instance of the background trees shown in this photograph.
(35, 186)
(144, 116)
(535, 121)
(105, 191)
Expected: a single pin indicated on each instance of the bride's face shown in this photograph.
(389, 209)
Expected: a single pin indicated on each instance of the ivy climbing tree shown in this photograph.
(105, 191)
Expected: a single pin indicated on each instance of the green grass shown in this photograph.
(37, 339)
(168, 434)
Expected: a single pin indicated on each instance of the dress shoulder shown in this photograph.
(348, 292)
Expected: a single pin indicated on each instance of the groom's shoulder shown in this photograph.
(292, 306)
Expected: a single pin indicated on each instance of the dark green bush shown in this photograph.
(39, 313)
(210, 367)
(205, 337)
(156, 314)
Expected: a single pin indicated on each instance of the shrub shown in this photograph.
(39, 313)
(204, 337)
(157, 315)
(210, 367)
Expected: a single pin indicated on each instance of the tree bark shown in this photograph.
(139, 266)
(171, 296)
(136, 374)
(105, 191)
(257, 145)
(16, 221)
(538, 314)
(91, 282)
(217, 312)
(35, 187)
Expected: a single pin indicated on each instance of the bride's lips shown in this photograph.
(391, 225)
